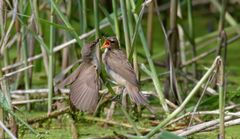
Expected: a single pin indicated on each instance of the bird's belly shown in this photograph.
(117, 77)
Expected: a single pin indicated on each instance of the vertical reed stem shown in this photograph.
(220, 84)
(51, 62)
(150, 26)
(1, 119)
(26, 76)
(96, 19)
(115, 17)
(84, 18)
(125, 26)
(130, 25)
(192, 36)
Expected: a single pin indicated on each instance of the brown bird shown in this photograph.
(120, 70)
(85, 83)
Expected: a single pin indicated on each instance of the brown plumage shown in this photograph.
(84, 80)
(118, 67)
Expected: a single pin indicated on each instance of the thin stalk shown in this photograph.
(222, 15)
(220, 84)
(26, 75)
(65, 52)
(125, 26)
(25, 57)
(191, 35)
(80, 14)
(38, 35)
(150, 25)
(130, 25)
(115, 18)
(5, 58)
(1, 119)
(84, 18)
(2, 18)
(173, 49)
(188, 98)
(96, 24)
(51, 62)
(155, 79)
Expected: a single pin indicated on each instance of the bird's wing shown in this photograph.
(84, 90)
(72, 77)
(117, 61)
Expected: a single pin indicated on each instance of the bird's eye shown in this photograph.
(111, 41)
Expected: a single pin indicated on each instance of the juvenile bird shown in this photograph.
(85, 83)
(120, 70)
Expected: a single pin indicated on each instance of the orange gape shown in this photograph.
(106, 44)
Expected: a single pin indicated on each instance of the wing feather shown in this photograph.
(72, 77)
(84, 90)
(117, 61)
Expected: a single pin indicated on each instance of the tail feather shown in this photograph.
(135, 95)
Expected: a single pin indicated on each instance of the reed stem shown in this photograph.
(115, 18)
(51, 61)
(125, 26)
(191, 35)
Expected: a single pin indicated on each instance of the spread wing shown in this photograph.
(72, 77)
(117, 61)
(84, 90)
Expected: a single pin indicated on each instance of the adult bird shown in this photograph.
(85, 83)
(120, 70)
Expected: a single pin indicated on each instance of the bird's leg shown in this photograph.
(124, 98)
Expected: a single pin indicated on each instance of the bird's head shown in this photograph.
(111, 42)
(88, 51)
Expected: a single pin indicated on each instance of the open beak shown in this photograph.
(106, 44)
